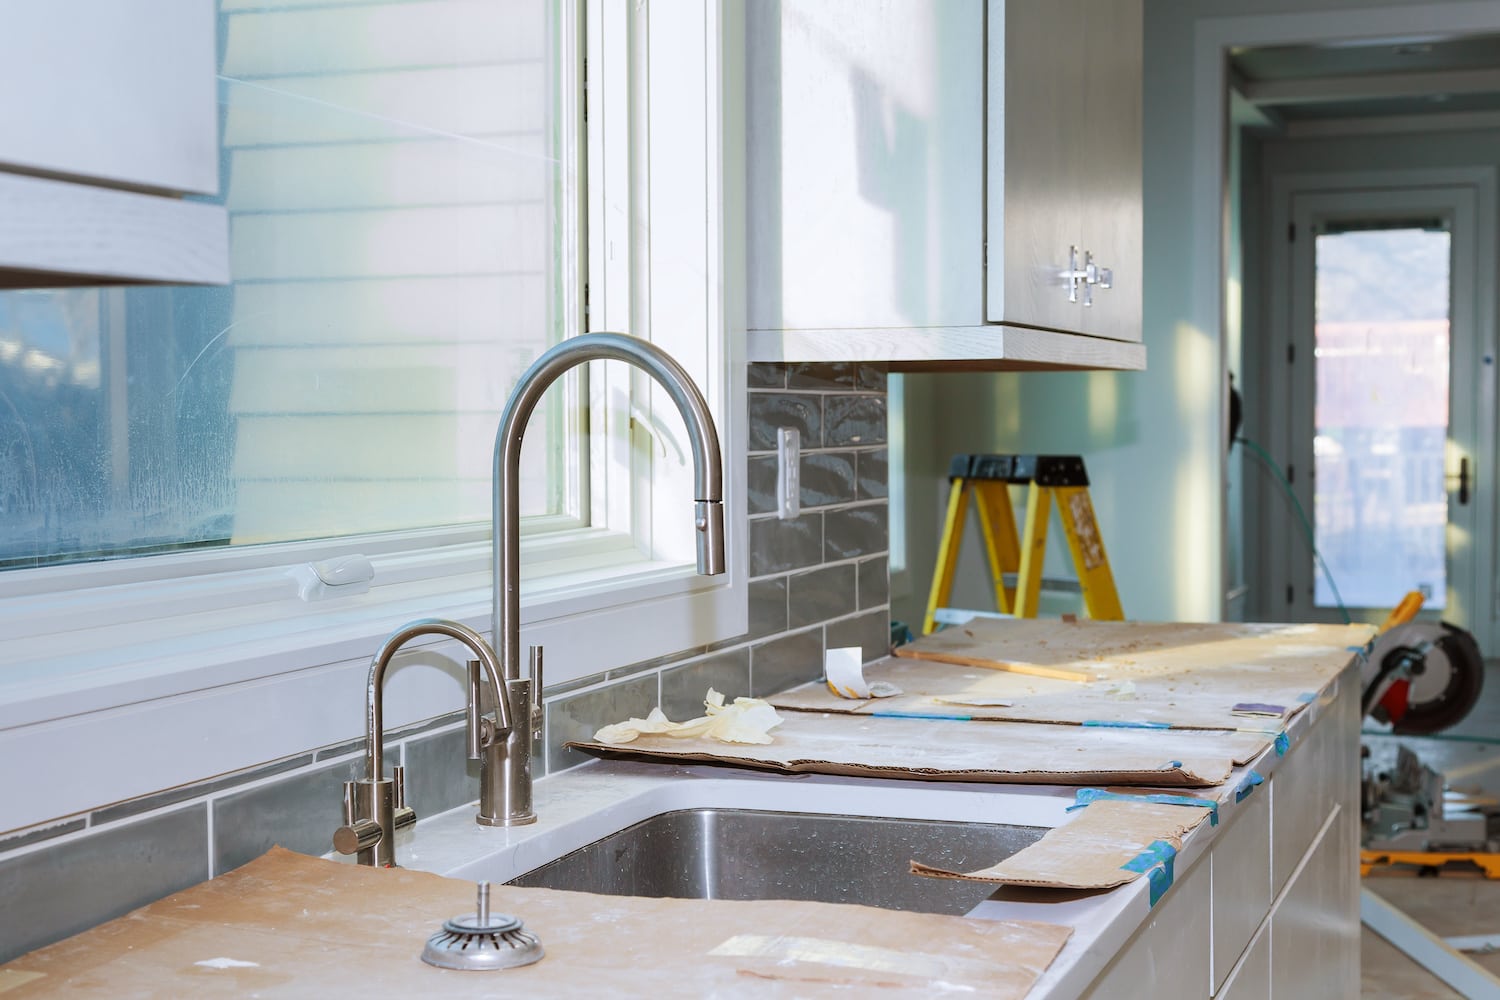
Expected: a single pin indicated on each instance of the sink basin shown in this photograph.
(755, 854)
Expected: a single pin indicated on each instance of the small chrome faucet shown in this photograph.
(375, 806)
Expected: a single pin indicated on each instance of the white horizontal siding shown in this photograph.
(398, 242)
(488, 170)
(448, 309)
(400, 104)
(395, 36)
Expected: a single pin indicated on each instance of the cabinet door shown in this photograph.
(865, 164)
(1064, 164)
(111, 92)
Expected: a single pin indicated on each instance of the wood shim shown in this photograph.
(1089, 851)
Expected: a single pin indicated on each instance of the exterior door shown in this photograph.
(1389, 371)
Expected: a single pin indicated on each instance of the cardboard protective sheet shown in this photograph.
(287, 925)
(1190, 676)
(1093, 850)
(943, 750)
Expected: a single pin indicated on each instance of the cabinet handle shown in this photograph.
(1085, 276)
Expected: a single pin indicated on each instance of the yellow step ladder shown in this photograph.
(988, 478)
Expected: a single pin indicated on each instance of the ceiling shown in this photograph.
(1371, 77)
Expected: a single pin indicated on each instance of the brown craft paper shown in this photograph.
(1088, 851)
(967, 751)
(303, 927)
(1184, 676)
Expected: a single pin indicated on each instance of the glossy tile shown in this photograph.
(777, 546)
(60, 890)
(820, 594)
(579, 716)
(684, 688)
(786, 662)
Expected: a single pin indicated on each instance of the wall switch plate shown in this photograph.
(788, 472)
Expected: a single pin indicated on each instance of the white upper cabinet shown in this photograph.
(1064, 157)
(110, 118)
(891, 146)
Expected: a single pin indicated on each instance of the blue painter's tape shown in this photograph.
(1283, 743)
(1156, 862)
(1247, 786)
(1107, 724)
(1086, 796)
(1171, 765)
(1306, 697)
(946, 716)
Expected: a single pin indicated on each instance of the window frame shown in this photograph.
(218, 658)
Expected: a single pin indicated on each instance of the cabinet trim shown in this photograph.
(990, 347)
(56, 233)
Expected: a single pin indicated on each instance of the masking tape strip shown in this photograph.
(1087, 796)
(782, 949)
(1107, 724)
(1283, 743)
(1247, 786)
(1156, 862)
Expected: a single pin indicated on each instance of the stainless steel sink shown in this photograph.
(752, 854)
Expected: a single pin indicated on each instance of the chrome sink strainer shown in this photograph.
(482, 940)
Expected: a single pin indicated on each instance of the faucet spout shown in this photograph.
(703, 437)
(507, 783)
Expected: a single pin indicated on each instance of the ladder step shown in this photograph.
(1044, 470)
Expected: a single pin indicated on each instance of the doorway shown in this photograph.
(1386, 416)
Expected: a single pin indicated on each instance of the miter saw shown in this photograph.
(1421, 678)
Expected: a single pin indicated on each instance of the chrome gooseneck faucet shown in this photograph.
(374, 806)
(708, 492)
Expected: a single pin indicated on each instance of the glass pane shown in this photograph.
(393, 185)
(1381, 504)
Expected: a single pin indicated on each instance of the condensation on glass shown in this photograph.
(1383, 298)
(392, 177)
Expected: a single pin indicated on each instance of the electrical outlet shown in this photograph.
(788, 472)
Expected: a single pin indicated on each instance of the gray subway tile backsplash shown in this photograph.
(777, 546)
(53, 892)
(172, 796)
(853, 420)
(873, 474)
(760, 375)
(300, 813)
(870, 631)
(837, 376)
(820, 594)
(874, 583)
(770, 410)
(684, 688)
(855, 531)
(439, 774)
(579, 716)
(768, 607)
(827, 478)
(786, 662)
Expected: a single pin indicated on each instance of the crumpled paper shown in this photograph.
(747, 720)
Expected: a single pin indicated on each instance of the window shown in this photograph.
(418, 209)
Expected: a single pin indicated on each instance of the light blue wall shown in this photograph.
(1154, 441)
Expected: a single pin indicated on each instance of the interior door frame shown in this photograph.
(1468, 196)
